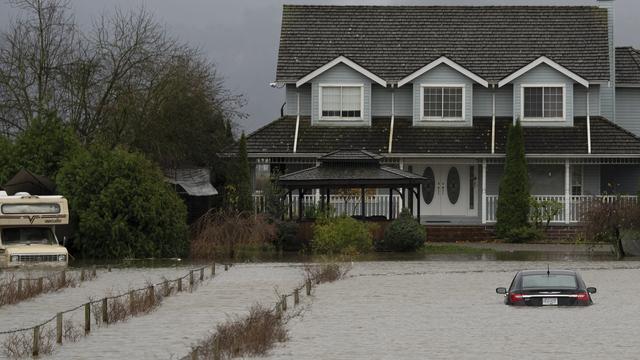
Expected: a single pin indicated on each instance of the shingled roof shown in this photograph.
(277, 138)
(491, 41)
(627, 65)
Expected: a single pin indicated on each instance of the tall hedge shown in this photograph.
(243, 178)
(121, 207)
(513, 199)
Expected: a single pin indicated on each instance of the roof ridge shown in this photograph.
(635, 55)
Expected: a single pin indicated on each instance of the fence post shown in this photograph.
(213, 269)
(190, 279)
(279, 309)
(194, 354)
(132, 300)
(109, 268)
(82, 275)
(296, 297)
(59, 328)
(152, 294)
(201, 274)
(63, 278)
(19, 287)
(40, 284)
(226, 267)
(167, 292)
(105, 314)
(216, 349)
(87, 318)
(308, 286)
(93, 271)
(180, 285)
(284, 302)
(36, 341)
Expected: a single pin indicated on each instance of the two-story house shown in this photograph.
(433, 90)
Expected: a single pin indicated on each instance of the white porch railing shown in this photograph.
(375, 205)
(578, 205)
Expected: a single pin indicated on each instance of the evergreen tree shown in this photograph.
(513, 200)
(243, 178)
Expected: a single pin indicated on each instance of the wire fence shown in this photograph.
(17, 290)
(213, 349)
(41, 338)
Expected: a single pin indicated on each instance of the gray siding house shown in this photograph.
(433, 89)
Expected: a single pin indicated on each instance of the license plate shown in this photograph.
(549, 301)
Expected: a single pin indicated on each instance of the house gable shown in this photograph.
(345, 61)
(448, 62)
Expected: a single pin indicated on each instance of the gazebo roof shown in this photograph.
(350, 168)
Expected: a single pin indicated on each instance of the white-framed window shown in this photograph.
(442, 102)
(341, 101)
(543, 102)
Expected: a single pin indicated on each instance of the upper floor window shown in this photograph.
(442, 102)
(338, 102)
(542, 102)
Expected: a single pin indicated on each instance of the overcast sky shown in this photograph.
(241, 36)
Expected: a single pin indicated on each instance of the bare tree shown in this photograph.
(33, 57)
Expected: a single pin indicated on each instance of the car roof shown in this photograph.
(551, 272)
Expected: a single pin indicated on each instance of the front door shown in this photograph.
(449, 190)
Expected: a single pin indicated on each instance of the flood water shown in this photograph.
(439, 308)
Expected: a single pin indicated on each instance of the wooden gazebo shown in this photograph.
(349, 169)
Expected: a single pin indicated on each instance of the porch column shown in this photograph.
(328, 203)
(418, 202)
(484, 191)
(300, 204)
(290, 206)
(567, 191)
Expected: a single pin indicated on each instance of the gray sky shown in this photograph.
(241, 36)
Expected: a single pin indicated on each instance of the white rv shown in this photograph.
(27, 230)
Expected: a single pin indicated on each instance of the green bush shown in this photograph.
(513, 198)
(340, 236)
(44, 146)
(403, 234)
(121, 207)
(287, 236)
(524, 234)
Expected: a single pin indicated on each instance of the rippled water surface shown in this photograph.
(384, 310)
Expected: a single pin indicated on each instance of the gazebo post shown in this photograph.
(390, 204)
(418, 202)
(328, 203)
(290, 205)
(404, 199)
(362, 206)
(300, 203)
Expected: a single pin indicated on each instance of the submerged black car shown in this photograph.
(547, 287)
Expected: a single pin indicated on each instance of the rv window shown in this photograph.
(30, 209)
(29, 235)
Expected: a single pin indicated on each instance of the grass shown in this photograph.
(444, 249)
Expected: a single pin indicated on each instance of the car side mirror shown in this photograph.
(501, 290)
(592, 290)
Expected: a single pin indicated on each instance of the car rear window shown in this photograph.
(549, 281)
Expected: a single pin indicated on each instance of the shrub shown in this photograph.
(603, 221)
(403, 234)
(225, 234)
(44, 146)
(543, 211)
(524, 234)
(287, 236)
(513, 199)
(341, 235)
(121, 207)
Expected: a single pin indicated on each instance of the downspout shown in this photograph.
(588, 124)
(493, 119)
(295, 138)
(393, 104)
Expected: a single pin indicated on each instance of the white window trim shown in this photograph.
(431, 118)
(340, 118)
(545, 119)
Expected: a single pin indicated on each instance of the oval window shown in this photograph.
(453, 185)
(428, 186)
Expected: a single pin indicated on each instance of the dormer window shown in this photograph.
(442, 102)
(341, 102)
(543, 102)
